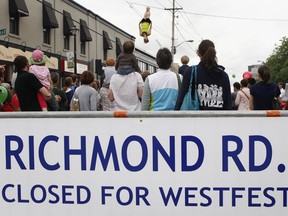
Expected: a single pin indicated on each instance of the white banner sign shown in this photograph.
(80, 68)
(144, 166)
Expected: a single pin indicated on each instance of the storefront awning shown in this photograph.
(107, 45)
(18, 8)
(118, 46)
(11, 52)
(67, 23)
(49, 18)
(84, 32)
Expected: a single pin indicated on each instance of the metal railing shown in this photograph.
(144, 114)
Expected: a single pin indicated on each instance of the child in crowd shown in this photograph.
(145, 25)
(42, 72)
(2, 68)
(126, 62)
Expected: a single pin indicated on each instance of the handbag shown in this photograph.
(275, 103)
(190, 101)
(75, 105)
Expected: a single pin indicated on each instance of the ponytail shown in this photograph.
(207, 53)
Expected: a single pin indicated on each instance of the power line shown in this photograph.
(184, 38)
(160, 4)
(237, 18)
(190, 24)
(218, 16)
(133, 3)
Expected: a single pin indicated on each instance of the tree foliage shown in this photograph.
(278, 62)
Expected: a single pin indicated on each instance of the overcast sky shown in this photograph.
(244, 32)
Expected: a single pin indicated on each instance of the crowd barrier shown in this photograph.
(144, 163)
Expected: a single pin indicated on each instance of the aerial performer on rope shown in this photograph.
(145, 25)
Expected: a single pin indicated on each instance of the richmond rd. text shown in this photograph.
(185, 152)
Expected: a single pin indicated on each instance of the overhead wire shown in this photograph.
(188, 21)
(178, 24)
(237, 18)
(160, 4)
(190, 24)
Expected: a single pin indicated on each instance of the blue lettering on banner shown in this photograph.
(144, 154)
(270, 197)
(200, 159)
(221, 194)
(252, 196)
(232, 149)
(206, 196)
(155, 154)
(53, 194)
(15, 147)
(234, 154)
(81, 152)
(236, 195)
(42, 146)
(125, 195)
(111, 152)
(255, 197)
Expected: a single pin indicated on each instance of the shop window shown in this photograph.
(83, 48)
(14, 25)
(66, 42)
(17, 9)
(47, 36)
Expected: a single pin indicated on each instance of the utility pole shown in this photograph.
(173, 9)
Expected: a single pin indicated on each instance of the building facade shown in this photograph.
(47, 25)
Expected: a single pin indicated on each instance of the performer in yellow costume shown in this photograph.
(145, 25)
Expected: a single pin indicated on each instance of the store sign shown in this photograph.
(70, 60)
(80, 67)
(2, 31)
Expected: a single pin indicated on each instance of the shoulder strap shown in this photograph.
(75, 93)
(245, 94)
(179, 82)
(193, 80)
(275, 91)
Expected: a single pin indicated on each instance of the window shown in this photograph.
(83, 48)
(105, 54)
(17, 9)
(46, 36)
(66, 42)
(14, 25)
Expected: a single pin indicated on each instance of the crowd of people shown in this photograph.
(125, 87)
(261, 95)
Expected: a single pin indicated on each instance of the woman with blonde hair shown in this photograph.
(184, 60)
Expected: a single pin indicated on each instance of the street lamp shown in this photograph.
(187, 41)
(74, 31)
